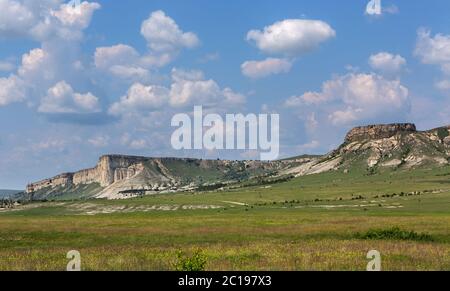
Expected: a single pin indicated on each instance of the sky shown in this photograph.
(106, 77)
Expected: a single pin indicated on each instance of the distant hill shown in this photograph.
(8, 193)
(385, 147)
(369, 149)
(118, 177)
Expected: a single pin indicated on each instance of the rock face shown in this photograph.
(109, 169)
(116, 176)
(378, 131)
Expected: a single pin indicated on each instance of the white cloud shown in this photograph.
(15, 18)
(121, 54)
(433, 50)
(78, 17)
(189, 92)
(43, 20)
(179, 75)
(11, 90)
(130, 72)
(140, 97)
(59, 29)
(343, 117)
(61, 98)
(354, 97)
(291, 37)
(188, 88)
(387, 63)
(121, 61)
(163, 34)
(164, 39)
(232, 98)
(307, 98)
(267, 67)
(34, 63)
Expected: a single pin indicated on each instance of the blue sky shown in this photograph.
(74, 86)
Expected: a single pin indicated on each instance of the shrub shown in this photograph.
(195, 263)
(442, 133)
(394, 233)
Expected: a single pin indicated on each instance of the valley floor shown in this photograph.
(319, 222)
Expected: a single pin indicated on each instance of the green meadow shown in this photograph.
(328, 221)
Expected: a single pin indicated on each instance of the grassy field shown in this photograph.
(316, 222)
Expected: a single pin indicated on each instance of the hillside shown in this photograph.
(368, 149)
(119, 177)
(389, 147)
(6, 193)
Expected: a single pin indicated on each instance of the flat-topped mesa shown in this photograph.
(109, 169)
(379, 131)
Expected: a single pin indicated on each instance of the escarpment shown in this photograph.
(109, 169)
(366, 149)
(379, 131)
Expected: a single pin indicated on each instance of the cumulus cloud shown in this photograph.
(355, 97)
(188, 88)
(434, 50)
(163, 34)
(121, 54)
(291, 37)
(35, 63)
(59, 29)
(78, 17)
(11, 90)
(121, 61)
(42, 20)
(61, 98)
(164, 39)
(267, 67)
(343, 117)
(186, 92)
(140, 97)
(15, 18)
(387, 63)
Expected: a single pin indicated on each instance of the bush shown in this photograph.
(195, 263)
(394, 233)
(442, 133)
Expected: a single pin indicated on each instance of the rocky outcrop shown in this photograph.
(109, 169)
(378, 131)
